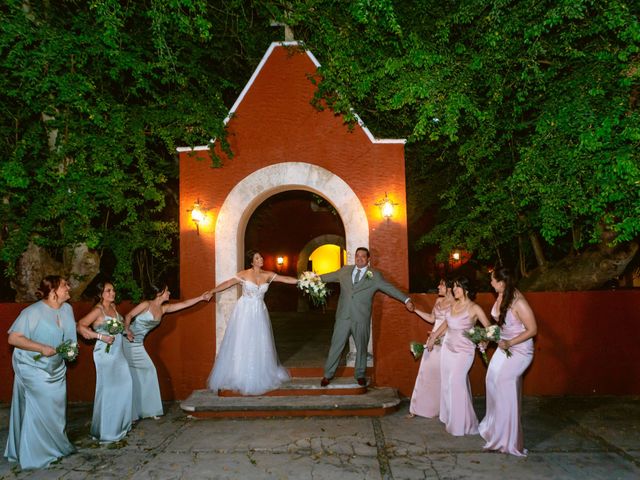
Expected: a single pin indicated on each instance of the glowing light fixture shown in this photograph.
(197, 214)
(456, 255)
(280, 262)
(386, 206)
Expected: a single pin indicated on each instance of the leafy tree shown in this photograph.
(95, 98)
(521, 116)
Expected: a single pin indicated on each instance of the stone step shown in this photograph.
(309, 386)
(376, 401)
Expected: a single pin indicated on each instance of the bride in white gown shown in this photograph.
(247, 361)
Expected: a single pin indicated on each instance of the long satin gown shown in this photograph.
(146, 390)
(112, 404)
(38, 406)
(501, 427)
(247, 361)
(425, 399)
(456, 358)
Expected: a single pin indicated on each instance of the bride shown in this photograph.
(247, 361)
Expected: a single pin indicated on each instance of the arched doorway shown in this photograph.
(251, 192)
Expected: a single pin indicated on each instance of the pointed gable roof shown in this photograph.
(260, 70)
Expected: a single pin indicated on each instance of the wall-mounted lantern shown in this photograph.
(386, 206)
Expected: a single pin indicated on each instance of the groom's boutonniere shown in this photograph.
(369, 274)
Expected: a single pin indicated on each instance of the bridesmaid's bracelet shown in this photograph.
(100, 336)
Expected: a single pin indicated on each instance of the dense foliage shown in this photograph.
(95, 98)
(521, 116)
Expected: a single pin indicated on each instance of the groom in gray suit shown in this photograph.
(358, 285)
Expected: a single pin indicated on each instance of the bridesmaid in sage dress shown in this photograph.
(458, 353)
(38, 406)
(425, 399)
(112, 403)
(501, 427)
(144, 317)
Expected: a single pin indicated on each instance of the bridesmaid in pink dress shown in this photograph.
(456, 357)
(501, 427)
(425, 399)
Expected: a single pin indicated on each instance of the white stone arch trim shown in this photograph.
(254, 189)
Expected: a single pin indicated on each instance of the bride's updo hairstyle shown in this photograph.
(503, 274)
(465, 284)
(48, 284)
(249, 258)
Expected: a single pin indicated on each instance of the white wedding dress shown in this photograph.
(247, 361)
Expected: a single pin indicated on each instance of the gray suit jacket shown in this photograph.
(356, 300)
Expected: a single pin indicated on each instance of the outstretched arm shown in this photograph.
(226, 284)
(428, 317)
(174, 307)
(285, 279)
(386, 287)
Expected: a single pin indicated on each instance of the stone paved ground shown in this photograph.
(568, 438)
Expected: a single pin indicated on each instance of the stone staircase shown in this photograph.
(302, 396)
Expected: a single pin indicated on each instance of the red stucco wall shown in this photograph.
(586, 344)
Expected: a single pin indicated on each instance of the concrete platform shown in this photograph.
(586, 438)
(301, 397)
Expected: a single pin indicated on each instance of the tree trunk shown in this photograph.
(587, 271)
(79, 267)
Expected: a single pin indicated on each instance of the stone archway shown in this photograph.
(307, 250)
(250, 192)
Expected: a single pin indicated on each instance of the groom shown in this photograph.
(358, 284)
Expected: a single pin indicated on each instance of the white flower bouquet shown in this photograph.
(478, 335)
(114, 326)
(493, 335)
(311, 285)
(68, 350)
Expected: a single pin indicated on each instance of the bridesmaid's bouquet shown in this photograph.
(311, 284)
(114, 327)
(478, 335)
(493, 335)
(68, 350)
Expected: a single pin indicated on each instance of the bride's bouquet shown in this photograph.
(114, 327)
(311, 284)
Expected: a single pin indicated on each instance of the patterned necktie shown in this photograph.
(357, 279)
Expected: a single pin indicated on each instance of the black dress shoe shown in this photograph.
(362, 382)
(324, 382)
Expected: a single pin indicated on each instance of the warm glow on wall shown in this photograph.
(326, 258)
(387, 207)
(198, 215)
